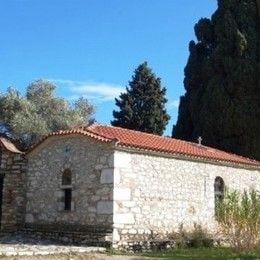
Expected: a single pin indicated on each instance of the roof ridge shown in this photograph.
(138, 132)
(90, 130)
(209, 148)
(171, 139)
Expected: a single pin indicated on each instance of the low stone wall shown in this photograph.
(65, 228)
(13, 167)
(90, 236)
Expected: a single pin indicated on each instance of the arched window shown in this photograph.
(219, 187)
(67, 191)
(67, 177)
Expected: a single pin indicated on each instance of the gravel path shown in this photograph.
(76, 256)
(18, 247)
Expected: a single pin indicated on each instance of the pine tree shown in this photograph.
(142, 106)
(222, 99)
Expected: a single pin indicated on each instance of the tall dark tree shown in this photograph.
(222, 80)
(142, 106)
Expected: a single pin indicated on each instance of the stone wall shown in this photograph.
(13, 167)
(91, 164)
(153, 195)
(139, 196)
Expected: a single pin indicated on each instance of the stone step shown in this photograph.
(76, 238)
(68, 229)
(70, 233)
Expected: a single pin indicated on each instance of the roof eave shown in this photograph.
(57, 135)
(182, 156)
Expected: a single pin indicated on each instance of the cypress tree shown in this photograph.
(142, 106)
(222, 83)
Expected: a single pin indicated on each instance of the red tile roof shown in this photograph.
(134, 139)
(8, 145)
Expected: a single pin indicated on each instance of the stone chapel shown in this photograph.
(116, 185)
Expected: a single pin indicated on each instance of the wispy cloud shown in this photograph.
(103, 90)
(99, 91)
(174, 104)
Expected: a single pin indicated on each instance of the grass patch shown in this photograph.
(202, 253)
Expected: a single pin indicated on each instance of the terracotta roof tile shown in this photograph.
(140, 140)
(165, 144)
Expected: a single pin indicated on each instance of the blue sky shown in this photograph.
(91, 47)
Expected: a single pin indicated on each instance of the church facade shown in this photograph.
(125, 185)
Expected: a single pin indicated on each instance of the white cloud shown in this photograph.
(99, 91)
(103, 90)
(174, 104)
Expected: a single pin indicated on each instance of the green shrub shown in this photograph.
(238, 215)
(196, 238)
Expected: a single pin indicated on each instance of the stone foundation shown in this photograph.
(75, 234)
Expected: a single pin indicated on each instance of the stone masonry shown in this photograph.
(92, 188)
(13, 166)
(154, 195)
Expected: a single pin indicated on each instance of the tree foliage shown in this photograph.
(40, 112)
(222, 83)
(142, 106)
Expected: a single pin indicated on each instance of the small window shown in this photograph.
(67, 199)
(66, 187)
(219, 186)
(219, 189)
(67, 177)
